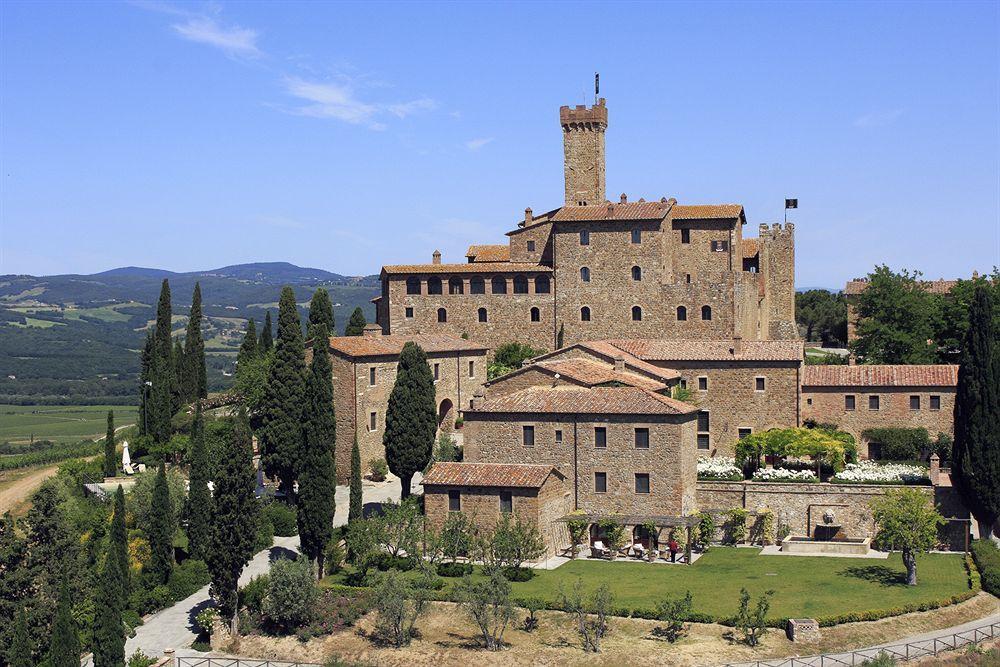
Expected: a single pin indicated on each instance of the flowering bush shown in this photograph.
(783, 475)
(872, 472)
(719, 468)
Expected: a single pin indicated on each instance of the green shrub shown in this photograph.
(291, 593)
(385, 562)
(187, 578)
(883, 659)
(282, 518)
(265, 534)
(518, 573)
(159, 598)
(251, 596)
(378, 470)
(140, 659)
(333, 556)
(901, 444)
(987, 559)
(454, 569)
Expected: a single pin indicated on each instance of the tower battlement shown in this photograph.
(582, 114)
(583, 152)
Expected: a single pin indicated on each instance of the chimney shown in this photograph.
(478, 398)
(528, 217)
(623, 198)
(371, 330)
(619, 364)
(737, 345)
(935, 470)
(436, 257)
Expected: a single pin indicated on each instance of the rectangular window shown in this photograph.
(758, 384)
(636, 236)
(743, 432)
(703, 383)
(642, 438)
(600, 436)
(585, 237)
(528, 436)
(409, 311)
(472, 369)
(873, 402)
(685, 236)
(720, 246)
(371, 376)
(531, 246)
(642, 482)
(437, 372)
(372, 421)
(703, 421)
(914, 402)
(506, 502)
(848, 402)
(558, 437)
(935, 402)
(683, 384)
(600, 482)
(454, 500)
(703, 441)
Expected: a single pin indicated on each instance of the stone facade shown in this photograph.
(583, 152)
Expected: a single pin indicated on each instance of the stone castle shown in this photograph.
(594, 269)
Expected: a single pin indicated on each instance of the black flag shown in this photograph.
(597, 83)
(791, 203)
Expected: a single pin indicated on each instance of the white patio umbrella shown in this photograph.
(126, 459)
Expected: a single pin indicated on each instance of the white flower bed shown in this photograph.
(718, 467)
(783, 475)
(873, 472)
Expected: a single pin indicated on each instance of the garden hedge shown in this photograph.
(987, 558)
(900, 444)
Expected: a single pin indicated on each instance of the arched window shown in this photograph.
(585, 314)
(442, 315)
(585, 274)
(536, 316)
(413, 285)
(682, 314)
(482, 315)
(434, 285)
(706, 312)
(499, 285)
(455, 286)
(477, 286)
(542, 285)
(636, 314)
(636, 273)
(520, 285)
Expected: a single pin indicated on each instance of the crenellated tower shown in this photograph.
(777, 263)
(583, 152)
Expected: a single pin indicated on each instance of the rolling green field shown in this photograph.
(60, 423)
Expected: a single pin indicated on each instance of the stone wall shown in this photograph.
(583, 152)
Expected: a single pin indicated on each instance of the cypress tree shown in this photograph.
(235, 519)
(411, 418)
(317, 474)
(110, 462)
(281, 436)
(248, 350)
(119, 541)
(145, 375)
(320, 312)
(266, 339)
(195, 383)
(161, 528)
(109, 632)
(976, 448)
(164, 342)
(64, 649)
(356, 325)
(179, 363)
(199, 528)
(357, 509)
(19, 653)
(162, 374)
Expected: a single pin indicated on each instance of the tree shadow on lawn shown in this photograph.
(877, 574)
(456, 640)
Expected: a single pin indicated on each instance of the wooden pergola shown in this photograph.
(635, 520)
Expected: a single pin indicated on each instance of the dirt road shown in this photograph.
(18, 491)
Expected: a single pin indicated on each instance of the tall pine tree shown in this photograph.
(248, 349)
(119, 541)
(161, 528)
(976, 449)
(145, 379)
(356, 325)
(162, 376)
(356, 509)
(281, 436)
(19, 652)
(195, 385)
(199, 529)
(109, 632)
(235, 519)
(320, 312)
(110, 458)
(64, 649)
(317, 474)
(179, 363)
(411, 418)
(266, 334)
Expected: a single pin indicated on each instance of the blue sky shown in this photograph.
(345, 136)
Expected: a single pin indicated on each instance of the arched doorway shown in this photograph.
(446, 415)
(645, 537)
(597, 533)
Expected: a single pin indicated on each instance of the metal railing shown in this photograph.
(237, 662)
(901, 652)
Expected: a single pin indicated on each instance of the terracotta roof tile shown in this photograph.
(649, 210)
(506, 475)
(606, 349)
(593, 373)
(378, 346)
(582, 400)
(706, 212)
(711, 350)
(468, 267)
(750, 247)
(489, 253)
(932, 286)
(880, 376)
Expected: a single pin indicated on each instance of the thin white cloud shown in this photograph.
(233, 40)
(339, 101)
(476, 144)
(404, 109)
(879, 118)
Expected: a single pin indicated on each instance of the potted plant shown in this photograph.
(614, 536)
(652, 531)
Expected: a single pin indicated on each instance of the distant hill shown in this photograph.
(75, 338)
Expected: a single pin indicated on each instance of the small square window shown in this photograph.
(454, 500)
(528, 436)
(600, 482)
(371, 376)
(935, 402)
(849, 402)
(685, 236)
(873, 402)
(600, 437)
(743, 432)
(642, 482)
(809, 401)
(636, 236)
(558, 437)
(758, 384)
(506, 502)
(914, 402)
(642, 438)
(703, 383)
(585, 237)
(703, 441)
(531, 246)
(437, 372)
(472, 369)
(372, 421)
(409, 311)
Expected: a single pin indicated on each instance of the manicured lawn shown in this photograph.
(60, 423)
